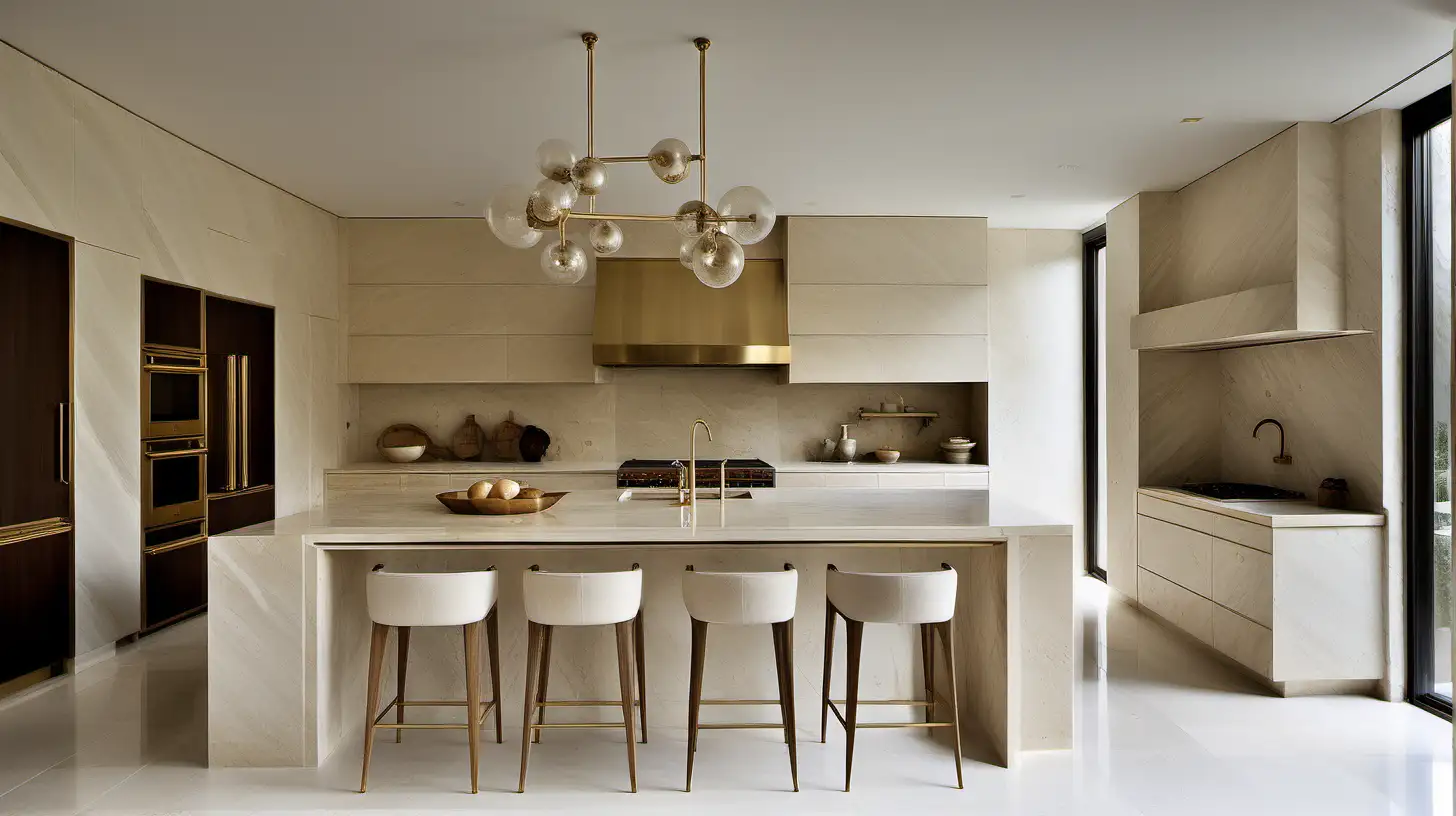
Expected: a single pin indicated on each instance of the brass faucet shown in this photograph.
(1283, 458)
(692, 474)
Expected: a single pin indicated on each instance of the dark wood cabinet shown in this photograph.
(171, 315)
(36, 469)
(240, 412)
(175, 581)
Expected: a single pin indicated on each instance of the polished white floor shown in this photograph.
(1162, 729)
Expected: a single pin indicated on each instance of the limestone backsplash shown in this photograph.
(647, 413)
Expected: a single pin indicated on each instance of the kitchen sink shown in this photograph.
(1239, 491)
(704, 495)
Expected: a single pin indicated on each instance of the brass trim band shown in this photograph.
(688, 355)
(25, 531)
(175, 545)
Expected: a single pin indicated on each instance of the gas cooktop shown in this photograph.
(664, 473)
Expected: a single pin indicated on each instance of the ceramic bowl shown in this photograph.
(887, 456)
(957, 457)
(403, 453)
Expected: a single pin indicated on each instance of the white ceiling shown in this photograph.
(1038, 113)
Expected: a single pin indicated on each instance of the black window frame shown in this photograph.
(1417, 121)
(1092, 241)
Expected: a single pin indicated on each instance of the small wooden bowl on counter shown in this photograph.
(458, 502)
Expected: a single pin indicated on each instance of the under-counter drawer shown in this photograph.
(980, 479)
(1228, 528)
(782, 479)
(1186, 610)
(1243, 580)
(1243, 640)
(894, 480)
(1177, 553)
(851, 480)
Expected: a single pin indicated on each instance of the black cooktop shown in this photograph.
(644, 464)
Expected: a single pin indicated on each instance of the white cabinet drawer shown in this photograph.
(851, 480)
(1176, 553)
(1243, 640)
(1190, 612)
(799, 479)
(1243, 580)
(1242, 532)
(912, 480)
(976, 480)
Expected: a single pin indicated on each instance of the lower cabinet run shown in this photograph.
(1300, 606)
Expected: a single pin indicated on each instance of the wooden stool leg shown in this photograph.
(492, 637)
(695, 692)
(378, 638)
(828, 667)
(793, 725)
(533, 661)
(947, 636)
(545, 677)
(472, 700)
(778, 646)
(639, 639)
(404, 634)
(927, 666)
(854, 637)
(624, 676)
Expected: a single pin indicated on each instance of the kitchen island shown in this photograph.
(289, 632)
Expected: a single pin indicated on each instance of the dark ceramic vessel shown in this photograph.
(534, 443)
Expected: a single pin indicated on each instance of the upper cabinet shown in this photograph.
(887, 299)
(1250, 254)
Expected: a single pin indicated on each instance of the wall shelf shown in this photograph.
(925, 417)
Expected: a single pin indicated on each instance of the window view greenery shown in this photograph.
(1440, 243)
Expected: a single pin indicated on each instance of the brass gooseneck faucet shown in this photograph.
(692, 474)
(1283, 458)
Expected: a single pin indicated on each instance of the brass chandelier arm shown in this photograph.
(716, 219)
(590, 40)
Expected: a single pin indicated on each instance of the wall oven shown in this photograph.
(174, 480)
(174, 394)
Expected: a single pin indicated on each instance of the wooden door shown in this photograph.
(35, 375)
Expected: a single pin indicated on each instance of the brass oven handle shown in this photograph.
(231, 423)
(173, 369)
(173, 454)
(247, 421)
(175, 545)
(62, 438)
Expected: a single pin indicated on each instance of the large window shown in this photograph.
(1094, 396)
(1427, 126)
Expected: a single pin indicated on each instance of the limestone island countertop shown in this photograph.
(600, 466)
(289, 633)
(796, 515)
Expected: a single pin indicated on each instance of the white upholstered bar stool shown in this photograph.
(583, 599)
(404, 600)
(924, 598)
(743, 599)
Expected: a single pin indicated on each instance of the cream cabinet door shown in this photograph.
(878, 250)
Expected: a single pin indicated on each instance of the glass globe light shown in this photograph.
(555, 158)
(506, 214)
(589, 175)
(564, 262)
(717, 260)
(747, 201)
(691, 218)
(671, 160)
(549, 200)
(685, 251)
(605, 237)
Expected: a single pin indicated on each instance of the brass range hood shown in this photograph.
(652, 312)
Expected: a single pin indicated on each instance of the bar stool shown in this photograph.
(583, 599)
(924, 598)
(407, 599)
(743, 599)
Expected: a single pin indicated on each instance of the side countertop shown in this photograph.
(785, 515)
(487, 468)
(1270, 513)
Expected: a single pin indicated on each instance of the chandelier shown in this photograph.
(712, 238)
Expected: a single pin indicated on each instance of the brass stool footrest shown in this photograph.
(739, 702)
(588, 703)
(835, 704)
(485, 708)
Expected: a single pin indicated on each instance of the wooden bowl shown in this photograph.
(458, 502)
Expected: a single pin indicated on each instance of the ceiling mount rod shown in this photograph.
(702, 43)
(589, 39)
